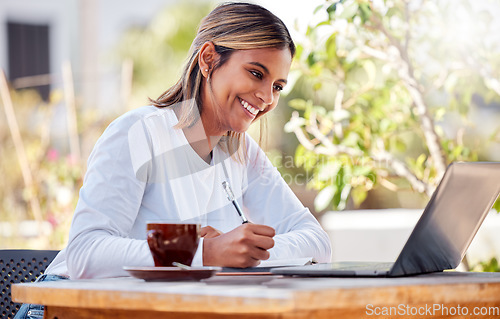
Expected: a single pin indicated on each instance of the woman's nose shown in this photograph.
(265, 94)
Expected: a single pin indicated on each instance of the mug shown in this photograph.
(171, 242)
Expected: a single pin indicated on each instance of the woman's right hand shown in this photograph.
(244, 246)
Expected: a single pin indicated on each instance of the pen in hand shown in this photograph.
(230, 197)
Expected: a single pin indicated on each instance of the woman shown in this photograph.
(167, 161)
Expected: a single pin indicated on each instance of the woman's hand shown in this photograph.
(244, 246)
(209, 232)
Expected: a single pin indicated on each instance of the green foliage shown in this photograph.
(381, 70)
(159, 49)
(496, 206)
(487, 266)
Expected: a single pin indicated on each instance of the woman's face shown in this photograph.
(246, 87)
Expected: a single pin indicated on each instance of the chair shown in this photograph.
(17, 266)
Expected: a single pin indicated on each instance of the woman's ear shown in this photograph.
(207, 57)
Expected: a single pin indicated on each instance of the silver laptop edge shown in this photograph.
(443, 233)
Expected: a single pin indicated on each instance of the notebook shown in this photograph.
(265, 266)
(441, 236)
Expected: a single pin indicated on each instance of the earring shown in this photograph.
(206, 70)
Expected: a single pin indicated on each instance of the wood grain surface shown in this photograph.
(270, 297)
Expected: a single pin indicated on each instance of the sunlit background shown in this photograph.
(363, 72)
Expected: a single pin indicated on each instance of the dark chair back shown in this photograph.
(20, 265)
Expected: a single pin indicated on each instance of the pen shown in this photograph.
(230, 197)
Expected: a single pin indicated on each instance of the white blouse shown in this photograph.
(142, 169)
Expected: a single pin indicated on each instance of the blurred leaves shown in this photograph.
(57, 178)
(487, 266)
(379, 72)
(159, 49)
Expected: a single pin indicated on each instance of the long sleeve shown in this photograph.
(99, 243)
(142, 169)
(268, 200)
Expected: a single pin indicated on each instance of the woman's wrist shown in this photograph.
(207, 252)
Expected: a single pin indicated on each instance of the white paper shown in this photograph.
(287, 262)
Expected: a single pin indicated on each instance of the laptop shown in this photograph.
(441, 236)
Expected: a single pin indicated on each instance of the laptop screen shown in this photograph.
(451, 219)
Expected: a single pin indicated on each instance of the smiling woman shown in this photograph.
(243, 89)
(236, 28)
(173, 161)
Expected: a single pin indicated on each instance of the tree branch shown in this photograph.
(402, 170)
(69, 95)
(489, 80)
(339, 97)
(22, 157)
(329, 148)
(410, 82)
(303, 140)
(379, 156)
(375, 53)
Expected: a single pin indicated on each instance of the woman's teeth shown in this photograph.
(249, 108)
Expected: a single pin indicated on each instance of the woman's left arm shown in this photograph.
(268, 200)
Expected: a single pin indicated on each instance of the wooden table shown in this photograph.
(449, 294)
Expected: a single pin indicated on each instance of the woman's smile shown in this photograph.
(242, 90)
(249, 108)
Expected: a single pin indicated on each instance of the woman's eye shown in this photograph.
(278, 88)
(257, 74)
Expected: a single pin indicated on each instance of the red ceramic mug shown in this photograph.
(170, 242)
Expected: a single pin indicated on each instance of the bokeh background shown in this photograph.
(383, 94)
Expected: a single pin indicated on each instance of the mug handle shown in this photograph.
(153, 238)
